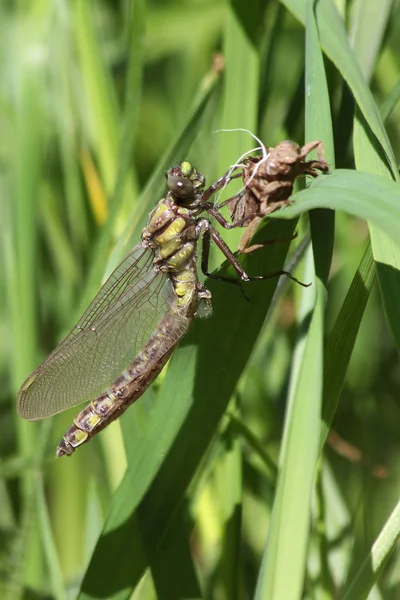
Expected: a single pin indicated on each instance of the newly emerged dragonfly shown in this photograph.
(130, 329)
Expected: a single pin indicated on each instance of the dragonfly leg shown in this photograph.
(205, 260)
(245, 249)
(207, 230)
(255, 221)
(221, 219)
(235, 197)
(219, 184)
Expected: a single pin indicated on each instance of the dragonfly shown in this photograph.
(268, 182)
(130, 329)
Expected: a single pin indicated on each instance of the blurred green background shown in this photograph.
(97, 99)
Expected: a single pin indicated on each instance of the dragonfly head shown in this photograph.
(184, 181)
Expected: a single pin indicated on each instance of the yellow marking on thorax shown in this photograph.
(170, 241)
(159, 210)
(172, 231)
(170, 248)
(161, 216)
(181, 257)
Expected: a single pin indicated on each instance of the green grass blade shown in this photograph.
(62, 88)
(99, 94)
(368, 26)
(23, 282)
(288, 534)
(363, 195)
(343, 336)
(391, 101)
(371, 568)
(386, 250)
(241, 74)
(335, 43)
(229, 570)
(254, 443)
(59, 244)
(133, 95)
(172, 568)
(340, 345)
(57, 584)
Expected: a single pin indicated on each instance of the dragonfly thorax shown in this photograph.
(170, 231)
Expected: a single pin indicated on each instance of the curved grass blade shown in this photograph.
(340, 345)
(369, 572)
(335, 43)
(288, 536)
(362, 195)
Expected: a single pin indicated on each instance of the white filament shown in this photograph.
(239, 164)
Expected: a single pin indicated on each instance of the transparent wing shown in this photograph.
(108, 336)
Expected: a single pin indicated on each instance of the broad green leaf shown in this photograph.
(198, 385)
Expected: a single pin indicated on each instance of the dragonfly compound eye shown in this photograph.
(180, 186)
